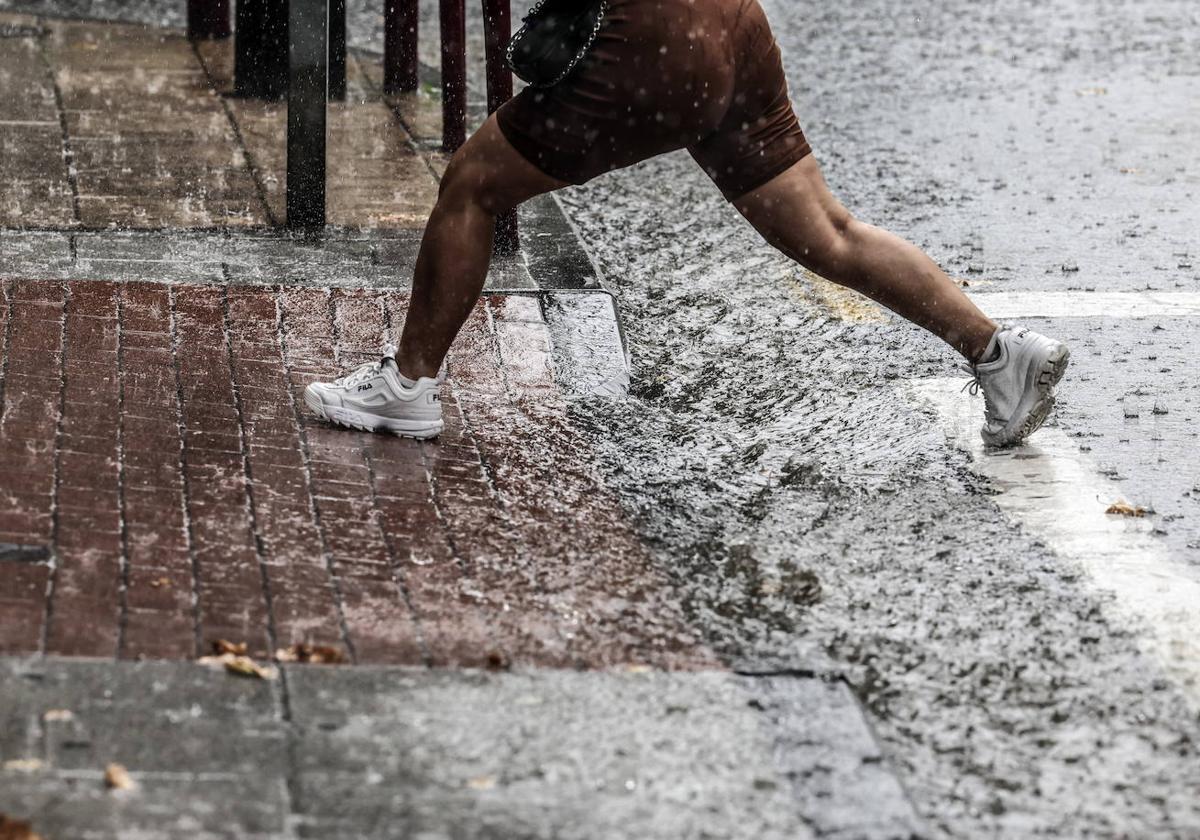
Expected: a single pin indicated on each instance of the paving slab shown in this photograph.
(400, 752)
(131, 126)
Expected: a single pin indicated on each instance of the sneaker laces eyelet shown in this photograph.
(974, 387)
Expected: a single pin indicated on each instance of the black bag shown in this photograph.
(553, 38)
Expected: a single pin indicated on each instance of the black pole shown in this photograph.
(337, 50)
(308, 90)
(400, 46)
(261, 49)
(454, 74)
(497, 29)
(208, 19)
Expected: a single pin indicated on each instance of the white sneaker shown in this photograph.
(375, 397)
(1018, 385)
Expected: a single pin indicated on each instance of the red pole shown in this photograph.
(497, 29)
(454, 74)
(400, 46)
(208, 19)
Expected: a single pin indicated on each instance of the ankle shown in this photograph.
(975, 346)
(416, 370)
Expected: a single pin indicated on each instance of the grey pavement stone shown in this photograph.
(589, 352)
(44, 254)
(339, 258)
(399, 752)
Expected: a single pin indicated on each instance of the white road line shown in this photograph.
(1055, 492)
(1144, 304)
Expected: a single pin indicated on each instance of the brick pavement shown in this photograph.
(156, 463)
(152, 437)
(133, 127)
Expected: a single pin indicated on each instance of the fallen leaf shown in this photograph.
(221, 646)
(57, 715)
(482, 783)
(162, 581)
(770, 587)
(1092, 91)
(314, 654)
(246, 666)
(638, 669)
(241, 665)
(11, 829)
(24, 765)
(116, 777)
(1123, 508)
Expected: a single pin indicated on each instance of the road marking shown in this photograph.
(1056, 492)
(1145, 304)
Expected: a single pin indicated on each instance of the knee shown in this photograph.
(835, 241)
(469, 182)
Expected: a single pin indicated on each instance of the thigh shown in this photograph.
(759, 136)
(490, 170)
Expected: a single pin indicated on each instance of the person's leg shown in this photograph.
(796, 213)
(486, 177)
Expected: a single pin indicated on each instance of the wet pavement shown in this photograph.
(798, 473)
(402, 753)
(128, 126)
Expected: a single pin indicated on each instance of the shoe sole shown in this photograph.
(1049, 375)
(351, 419)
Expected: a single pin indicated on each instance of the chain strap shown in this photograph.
(533, 12)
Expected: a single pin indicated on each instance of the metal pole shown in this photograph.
(337, 50)
(400, 46)
(497, 29)
(454, 74)
(261, 49)
(308, 90)
(207, 19)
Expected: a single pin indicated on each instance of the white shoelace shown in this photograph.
(364, 372)
(975, 386)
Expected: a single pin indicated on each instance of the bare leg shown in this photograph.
(486, 177)
(797, 214)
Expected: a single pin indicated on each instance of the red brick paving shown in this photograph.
(155, 437)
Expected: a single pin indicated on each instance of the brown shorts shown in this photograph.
(704, 75)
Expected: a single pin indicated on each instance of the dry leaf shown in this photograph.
(247, 667)
(116, 777)
(221, 646)
(314, 654)
(482, 783)
(57, 715)
(636, 668)
(242, 665)
(1123, 508)
(162, 581)
(770, 587)
(11, 829)
(24, 765)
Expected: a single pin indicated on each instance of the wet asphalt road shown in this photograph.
(813, 517)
